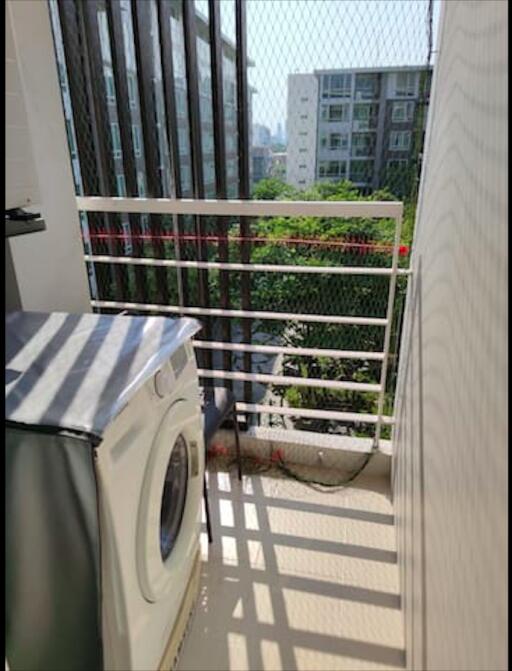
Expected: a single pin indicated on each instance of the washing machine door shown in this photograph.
(170, 506)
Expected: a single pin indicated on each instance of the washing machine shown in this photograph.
(104, 476)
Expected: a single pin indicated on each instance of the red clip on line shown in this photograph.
(277, 456)
(218, 450)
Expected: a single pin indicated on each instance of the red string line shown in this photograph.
(364, 247)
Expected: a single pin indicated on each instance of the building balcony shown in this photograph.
(296, 578)
(368, 528)
(300, 327)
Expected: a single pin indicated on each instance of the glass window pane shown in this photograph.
(173, 497)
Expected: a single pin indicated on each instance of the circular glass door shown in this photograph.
(174, 497)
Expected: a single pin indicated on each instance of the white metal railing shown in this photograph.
(227, 208)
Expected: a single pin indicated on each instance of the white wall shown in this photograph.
(21, 186)
(301, 149)
(49, 265)
(450, 442)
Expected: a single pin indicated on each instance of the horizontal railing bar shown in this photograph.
(313, 413)
(235, 314)
(243, 267)
(243, 208)
(295, 351)
(286, 380)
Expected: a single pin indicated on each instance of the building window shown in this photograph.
(332, 169)
(231, 143)
(137, 143)
(302, 181)
(361, 171)
(116, 139)
(363, 144)
(397, 163)
(367, 86)
(232, 168)
(141, 185)
(205, 106)
(209, 172)
(303, 166)
(109, 86)
(302, 150)
(402, 112)
(186, 177)
(334, 112)
(182, 141)
(121, 185)
(132, 89)
(303, 116)
(303, 133)
(207, 138)
(336, 86)
(405, 84)
(399, 140)
(230, 114)
(334, 141)
(365, 112)
(181, 103)
(304, 100)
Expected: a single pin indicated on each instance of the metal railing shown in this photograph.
(253, 209)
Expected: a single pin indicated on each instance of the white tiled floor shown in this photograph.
(296, 578)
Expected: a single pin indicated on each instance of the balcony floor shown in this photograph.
(296, 578)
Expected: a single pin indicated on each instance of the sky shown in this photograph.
(287, 36)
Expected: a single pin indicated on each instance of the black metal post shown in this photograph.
(194, 115)
(219, 136)
(141, 19)
(84, 121)
(166, 57)
(88, 15)
(120, 73)
(243, 171)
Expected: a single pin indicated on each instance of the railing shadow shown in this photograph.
(249, 611)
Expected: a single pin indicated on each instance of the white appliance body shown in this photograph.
(142, 593)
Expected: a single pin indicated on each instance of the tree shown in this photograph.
(326, 241)
(272, 188)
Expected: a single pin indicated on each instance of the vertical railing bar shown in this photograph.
(83, 124)
(243, 172)
(194, 117)
(95, 86)
(219, 137)
(142, 38)
(166, 57)
(387, 329)
(120, 71)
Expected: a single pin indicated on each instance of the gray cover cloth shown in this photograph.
(52, 554)
(79, 371)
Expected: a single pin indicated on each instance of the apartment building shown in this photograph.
(165, 173)
(261, 135)
(365, 125)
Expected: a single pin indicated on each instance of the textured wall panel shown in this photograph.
(449, 471)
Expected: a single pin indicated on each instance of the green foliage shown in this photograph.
(273, 188)
(327, 294)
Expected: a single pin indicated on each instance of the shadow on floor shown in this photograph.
(296, 578)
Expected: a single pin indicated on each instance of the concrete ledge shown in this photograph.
(342, 453)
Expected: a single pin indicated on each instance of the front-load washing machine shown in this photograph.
(104, 475)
